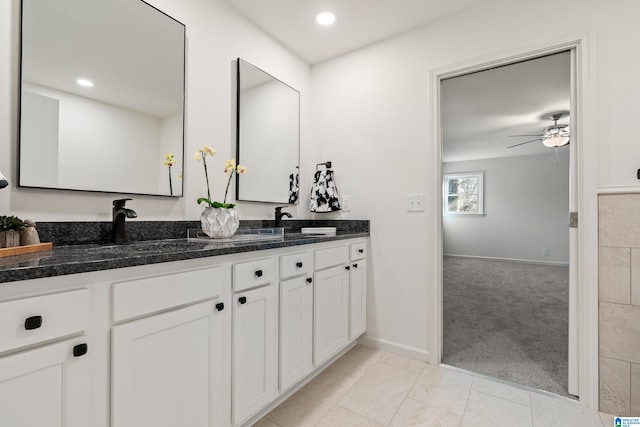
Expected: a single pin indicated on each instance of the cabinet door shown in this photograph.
(46, 387)
(331, 312)
(166, 369)
(296, 329)
(357, 299)
(254, 351)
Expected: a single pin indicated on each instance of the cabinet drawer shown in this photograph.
(135, 298)
(295, 264)
(331, 256)
(47, 317)
(358, 250)
(252, 273)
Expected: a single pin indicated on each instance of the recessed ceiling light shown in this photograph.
(85, 82)
(325, 18)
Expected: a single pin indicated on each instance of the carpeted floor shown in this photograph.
(507, 319)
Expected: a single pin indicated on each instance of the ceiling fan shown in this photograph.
(553, 136)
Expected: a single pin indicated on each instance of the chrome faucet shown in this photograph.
(120, 213)
(280, 214)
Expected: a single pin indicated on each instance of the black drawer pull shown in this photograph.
(299, 264)
(347, 267)
(220, 306)
(80, 350)
(258, 273)
(309, 280)
(355, 265)
(33, 322)
(242, 300)
(360, 251)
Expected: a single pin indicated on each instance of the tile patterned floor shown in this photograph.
(371, 388)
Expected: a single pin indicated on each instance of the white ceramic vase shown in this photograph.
(219, 223)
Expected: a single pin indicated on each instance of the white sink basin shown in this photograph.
(325, 231)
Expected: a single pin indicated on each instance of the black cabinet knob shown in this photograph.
(242, 300)
(347, 267)
(355, 265)
(299, 264)
(220, 306)
(258, 273)
(360, 251)
(80, 350)
(309, 280)
(33, 322)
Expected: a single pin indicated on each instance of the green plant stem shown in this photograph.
(170, 185)
(227, 189)
(206, 174)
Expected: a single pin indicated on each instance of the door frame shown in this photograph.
(583, 122)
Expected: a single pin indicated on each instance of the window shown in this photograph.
(462, 194)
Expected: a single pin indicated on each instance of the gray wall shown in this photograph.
(526, 204)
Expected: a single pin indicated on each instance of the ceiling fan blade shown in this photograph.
(522, 143)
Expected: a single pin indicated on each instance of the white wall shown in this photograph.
(41, 118)
(90, 141)
(268, 126)
(371, 111)
(526, 205)
(216, 36)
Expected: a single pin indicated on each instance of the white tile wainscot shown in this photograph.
(172, 324)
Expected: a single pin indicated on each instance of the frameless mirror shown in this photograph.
(102, 97)
(268, 137)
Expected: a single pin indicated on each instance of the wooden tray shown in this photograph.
(19, 250)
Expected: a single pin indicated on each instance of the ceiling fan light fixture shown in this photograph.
(556, 136)
(556, 141)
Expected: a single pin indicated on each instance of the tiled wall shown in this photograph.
(619, 306)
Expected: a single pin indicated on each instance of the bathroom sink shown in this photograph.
(296, 236)
(242, 235)
(322, 231)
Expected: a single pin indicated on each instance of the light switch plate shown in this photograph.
(346, 203)
(415, 202)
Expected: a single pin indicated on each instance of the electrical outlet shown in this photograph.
(346, 203)
(545, 252)
(415, 202)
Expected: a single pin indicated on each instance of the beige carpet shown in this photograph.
(507, 319)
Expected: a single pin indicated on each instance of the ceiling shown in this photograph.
(481, 111)
(64, 40)
(358, 22)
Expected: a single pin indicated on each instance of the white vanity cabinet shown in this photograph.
(296, 317)
(357, 290)
(205, 342)
(44, 374)
(330, 302)
(168, 364)
(255, 338)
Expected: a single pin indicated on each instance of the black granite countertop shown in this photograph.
(82, 258)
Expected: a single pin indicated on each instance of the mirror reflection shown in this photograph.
(102, 97)
(268, 137)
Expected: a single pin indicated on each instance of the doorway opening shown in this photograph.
(506, 244)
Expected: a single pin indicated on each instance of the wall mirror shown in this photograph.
(102, 97)
(268, 137)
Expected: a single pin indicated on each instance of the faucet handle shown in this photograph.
(279, 208)
(119, 203)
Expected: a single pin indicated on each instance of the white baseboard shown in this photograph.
(623, 189)
(394, 347)
(533, 261)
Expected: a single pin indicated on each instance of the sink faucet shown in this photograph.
(280, 214)
(120, 213)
